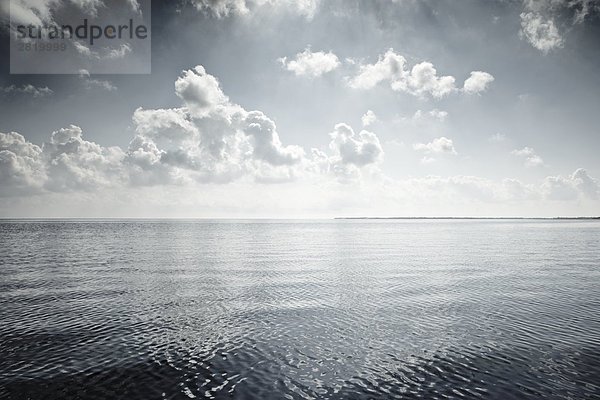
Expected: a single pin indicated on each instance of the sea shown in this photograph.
(300, 309)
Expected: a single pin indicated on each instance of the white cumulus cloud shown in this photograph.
(441, 145)
(358, 149)
(530, 157)
(368, 118)
(312, 64)
(585, 183)
(200, 91)
(21, 168)
(389, 67)
(478, 82)
(435, 114)
(420, 80)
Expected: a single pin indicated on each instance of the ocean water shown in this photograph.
(493, 309)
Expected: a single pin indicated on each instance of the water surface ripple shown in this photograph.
(299, 309)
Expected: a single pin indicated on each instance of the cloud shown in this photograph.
(577, 186)
(265, 141)
(559, 188)
(368, 118)
(357, 149)
(582, 9)
(89, 7)
(125, 183)
(311, 64)
(539, 20)
(531, 158)
(73, 163)
(389, 67)
(463, 188)
(210, 152)
(208, 139)
(41, 12)
(21, 167)
(478, 82)
(211, 139)
(119, 52)
(304, 8)
(433, 114)
(221, 8)
(36, 12)
(84, 50)
(441, 145)
(106, 53)
(90, 83)
(241, 8)
(171, 147)
(170, 125)
(200, 91)
(585, 184)
(27, 89)
(513, 190)
(421, 80)
(540, 32)
(67, 162)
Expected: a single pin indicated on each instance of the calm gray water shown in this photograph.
(305, 309)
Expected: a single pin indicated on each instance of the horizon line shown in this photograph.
(466, 217)
(305, 218)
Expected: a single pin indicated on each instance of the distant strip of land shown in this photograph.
(460, 218)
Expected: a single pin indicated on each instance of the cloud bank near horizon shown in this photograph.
(209, 142)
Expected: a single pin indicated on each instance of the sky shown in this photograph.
(311, 109)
